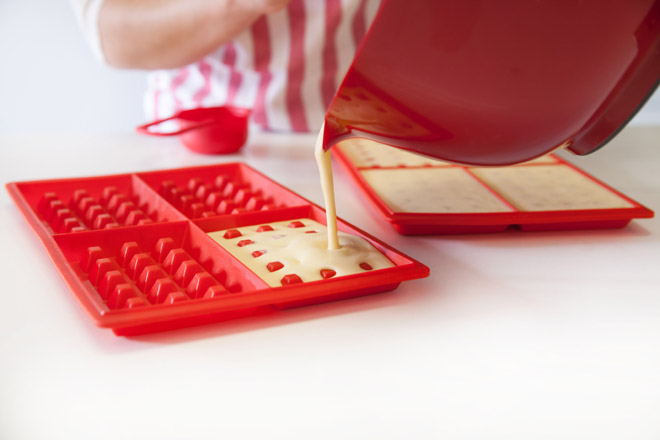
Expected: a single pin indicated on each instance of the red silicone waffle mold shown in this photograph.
(428, 223)
(135, 251)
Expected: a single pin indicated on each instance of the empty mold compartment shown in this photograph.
(151, 275)
(82, 204)
(220, 190)
(420, 195)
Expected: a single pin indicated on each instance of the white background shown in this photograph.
(513, 336)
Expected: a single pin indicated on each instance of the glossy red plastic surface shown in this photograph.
(499, 82)
(430, 223)
(212, 130)
(135, 251)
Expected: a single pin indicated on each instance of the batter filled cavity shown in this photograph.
(296, 251)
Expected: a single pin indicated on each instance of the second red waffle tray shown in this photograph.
(135, 250)
(420, 195)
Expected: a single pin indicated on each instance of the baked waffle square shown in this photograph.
(549, 188)
(432, 190)
(365, 153)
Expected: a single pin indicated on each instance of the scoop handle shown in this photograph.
(144, 129)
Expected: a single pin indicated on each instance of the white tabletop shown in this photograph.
(516, 335)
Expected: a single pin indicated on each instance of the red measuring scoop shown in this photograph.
(212, 130)
(499, 82)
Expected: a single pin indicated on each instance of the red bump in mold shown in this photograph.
(102, 221)
(232, 233)
(78, 194)
(160, 290)
(184, 201)
(123, 210)
(327, 273)
(226, 207)
(199, 284)
(174, 260)
(135, 302)
(70, 223)
(58, 219)
(108, 192)
(175, 297)
(186, 272)
(92, 212)
(137, 265)
(109, 282)
(165, 187)
(98, 270)
(274, 266)
(233, 187)
(195, 210)
(148, 277)
(221, 181)
(174, 194)
(215, 291)
(243, 195)
(120, 295)
(162, 248)
(194, 183)
(84, 203)
(213, 199)
(45, 201)
(126, 253)
(254, 204)
(51, 208)
(203, 191)
(134, 217)
(291, 279)
(92, 254)
(116, 200)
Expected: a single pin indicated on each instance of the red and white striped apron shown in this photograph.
(285, 67)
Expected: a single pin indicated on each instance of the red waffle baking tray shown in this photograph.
(365, 159)
(135, 252)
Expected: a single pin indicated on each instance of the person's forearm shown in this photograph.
(161, 34)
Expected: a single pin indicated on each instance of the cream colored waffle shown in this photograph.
(549, 188)
(295, 251)
(432, 190)
(364, 153)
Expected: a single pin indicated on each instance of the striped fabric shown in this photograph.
(285, 67)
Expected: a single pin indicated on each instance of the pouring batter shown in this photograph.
(327, 186)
